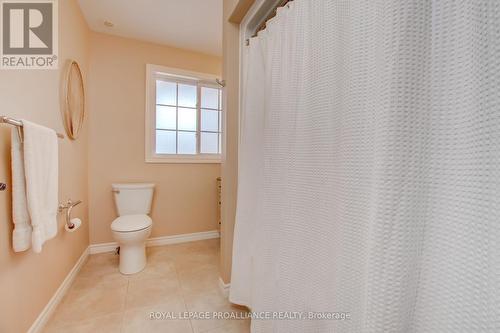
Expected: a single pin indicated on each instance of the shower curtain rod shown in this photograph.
(262, 26)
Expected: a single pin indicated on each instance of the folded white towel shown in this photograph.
(41, 172)
(21, 236)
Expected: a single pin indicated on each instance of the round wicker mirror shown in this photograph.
(74, 100)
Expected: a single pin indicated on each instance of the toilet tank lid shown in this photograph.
(132, 186)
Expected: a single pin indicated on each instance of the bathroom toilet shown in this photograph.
(133, 226)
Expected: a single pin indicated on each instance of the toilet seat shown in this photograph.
(130, 223)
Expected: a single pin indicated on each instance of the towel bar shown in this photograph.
(19, 125)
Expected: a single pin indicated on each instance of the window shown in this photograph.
(183, 117)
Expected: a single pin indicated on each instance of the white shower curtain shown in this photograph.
(369, 178)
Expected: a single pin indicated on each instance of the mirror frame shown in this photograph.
(73, 125)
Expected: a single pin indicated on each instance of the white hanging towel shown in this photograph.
(21, 235)
(41, 174)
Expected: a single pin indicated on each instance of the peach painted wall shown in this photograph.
(28, 280)
(234, 11)
(185, 196)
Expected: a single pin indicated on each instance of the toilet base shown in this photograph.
(132, 250)
(132, 258)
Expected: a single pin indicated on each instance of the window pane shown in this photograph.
(166, 92)
(209, 98)
(187, 119)
(220, 99)
(187, 143)
(165, 142)
(209, 120)
(187, 95)
(208, 144)
(165, 117)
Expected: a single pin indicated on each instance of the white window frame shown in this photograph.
(152, 72)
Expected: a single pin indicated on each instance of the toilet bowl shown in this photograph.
(131, 233)
(133, 226)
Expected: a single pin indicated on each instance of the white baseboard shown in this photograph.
(159, 241)
(102, 247)
(47, 312)
(224, 287)
(184, 238)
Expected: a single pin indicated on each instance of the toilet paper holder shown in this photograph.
(68, 206)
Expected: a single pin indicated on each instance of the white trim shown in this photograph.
(203, 79)
(224, 287)
(183, 238)
(182, 73)
(159, 241)
(149, 120)
(102, 247)
(47, 312)
(186, 160)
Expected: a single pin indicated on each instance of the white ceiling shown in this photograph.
(188, 24)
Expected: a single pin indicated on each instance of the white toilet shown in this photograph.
(133, 226)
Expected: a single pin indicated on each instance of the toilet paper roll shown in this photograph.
(76, 224)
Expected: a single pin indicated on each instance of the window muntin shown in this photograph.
(188, 117)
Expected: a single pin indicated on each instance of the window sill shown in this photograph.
(184, 160)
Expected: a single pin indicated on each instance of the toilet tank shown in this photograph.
(133, 198)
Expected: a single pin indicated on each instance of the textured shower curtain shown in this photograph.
(369, 167)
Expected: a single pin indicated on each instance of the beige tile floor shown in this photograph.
(177, 278)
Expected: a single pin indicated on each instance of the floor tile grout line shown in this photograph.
(182, 294)
(81, 322)
(191, 320)
(124, 307)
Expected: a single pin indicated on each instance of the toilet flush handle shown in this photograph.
(115, 191)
